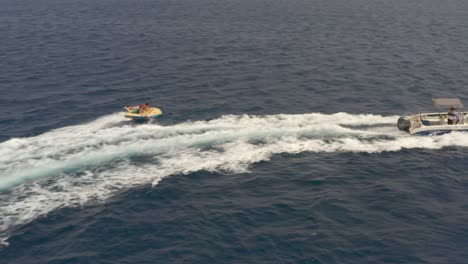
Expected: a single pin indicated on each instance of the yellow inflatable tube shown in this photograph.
(145, 114)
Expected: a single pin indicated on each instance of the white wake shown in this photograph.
(76, 165)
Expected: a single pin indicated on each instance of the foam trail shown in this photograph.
(75, 165)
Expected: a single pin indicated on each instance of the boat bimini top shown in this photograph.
(446, 103)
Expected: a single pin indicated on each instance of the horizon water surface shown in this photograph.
(278, 142)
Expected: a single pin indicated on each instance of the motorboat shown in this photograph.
(437, 123)
(138, 113)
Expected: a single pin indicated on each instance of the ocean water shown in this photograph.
(278, 142)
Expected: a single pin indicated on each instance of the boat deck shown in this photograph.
(436, 123)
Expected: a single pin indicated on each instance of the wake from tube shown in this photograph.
(76, 165)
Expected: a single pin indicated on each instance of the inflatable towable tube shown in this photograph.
(147, 113)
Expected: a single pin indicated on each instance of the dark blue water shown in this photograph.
(278, 141)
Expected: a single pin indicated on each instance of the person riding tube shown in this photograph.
(143, 108)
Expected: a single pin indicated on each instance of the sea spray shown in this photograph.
(75, 165)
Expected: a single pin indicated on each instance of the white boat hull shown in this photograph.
(438, 130)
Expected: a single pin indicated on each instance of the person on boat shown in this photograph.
(451, 116)
(459, 117)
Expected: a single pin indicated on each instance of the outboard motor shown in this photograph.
(404, 123)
